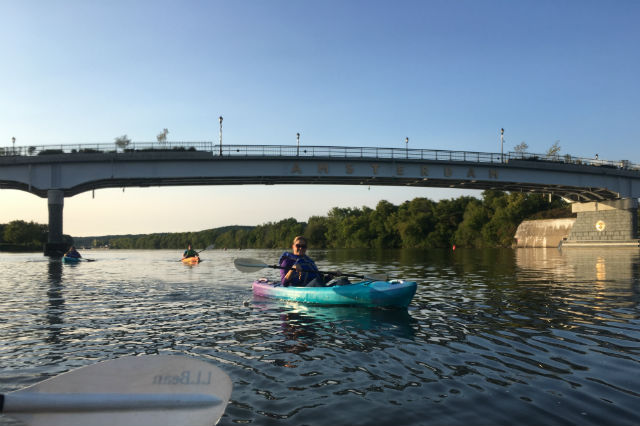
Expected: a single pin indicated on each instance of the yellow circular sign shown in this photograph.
(600, 225)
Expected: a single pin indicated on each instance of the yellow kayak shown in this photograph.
(191, 260)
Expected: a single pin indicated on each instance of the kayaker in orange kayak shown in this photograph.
(189, 252)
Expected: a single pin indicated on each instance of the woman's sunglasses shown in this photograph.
(301, 246)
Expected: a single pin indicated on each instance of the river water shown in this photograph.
(500, 337)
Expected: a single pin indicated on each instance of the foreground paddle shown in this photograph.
(151, 390)
(253, 265)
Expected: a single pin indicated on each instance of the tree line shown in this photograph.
(420, 223)
(19, 235)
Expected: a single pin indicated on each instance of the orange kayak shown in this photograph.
(191, 260)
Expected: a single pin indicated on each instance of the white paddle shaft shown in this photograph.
(37, 402)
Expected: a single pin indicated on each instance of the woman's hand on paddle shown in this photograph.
(299, 269)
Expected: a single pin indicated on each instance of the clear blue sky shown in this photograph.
(447, 74)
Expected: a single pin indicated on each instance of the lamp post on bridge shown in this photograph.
(298, 149)
(13, 140)
(406, 141)
(502, 145)
(220, 136)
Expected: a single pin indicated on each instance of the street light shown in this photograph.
(220, 136)
(502, 145)
(298, 137)
(13, 140)
(406, 141)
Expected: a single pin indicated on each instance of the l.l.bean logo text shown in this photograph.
(184, 378)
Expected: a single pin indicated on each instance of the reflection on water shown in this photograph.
(604, 265)
(527, 336)
(611, 274)
(613, 264)
(55, 309)
(304, 326)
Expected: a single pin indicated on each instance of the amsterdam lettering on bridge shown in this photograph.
(398, 170)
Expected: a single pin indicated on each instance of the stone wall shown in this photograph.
(605, 221)
(543, 233)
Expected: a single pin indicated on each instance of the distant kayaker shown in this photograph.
(300, 270)
(189, 252)
(73, 253)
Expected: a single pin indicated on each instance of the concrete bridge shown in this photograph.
(595, 186)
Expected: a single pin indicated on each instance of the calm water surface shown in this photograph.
(503, 337)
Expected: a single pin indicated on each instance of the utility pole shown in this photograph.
(220, 136)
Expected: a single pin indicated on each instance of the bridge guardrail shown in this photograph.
(309, 151)
(568, 159)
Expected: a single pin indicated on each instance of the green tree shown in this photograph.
(469, 232)
(316, 231)
(337, 228)
(21, 232)
(415, 222)
(383, 226)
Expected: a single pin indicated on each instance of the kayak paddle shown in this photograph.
(150, 390)
(210, 246)
(253, 265)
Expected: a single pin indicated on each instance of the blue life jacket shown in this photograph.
(310, 270)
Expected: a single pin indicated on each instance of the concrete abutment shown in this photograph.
(597, 224)
(605, 223)
(55, 246)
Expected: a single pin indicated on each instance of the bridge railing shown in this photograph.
(357, 152)
(91, 148)
(256, 151)
(568, 159)
(308, 151)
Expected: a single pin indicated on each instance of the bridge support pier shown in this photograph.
(55, 246)
(605, 224)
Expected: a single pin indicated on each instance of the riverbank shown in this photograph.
(19, 248)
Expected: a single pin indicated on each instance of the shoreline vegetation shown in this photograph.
(420, 224)
(19, 236)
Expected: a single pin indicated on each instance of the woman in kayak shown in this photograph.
(189, 252)
(73, 253)
(299, 269)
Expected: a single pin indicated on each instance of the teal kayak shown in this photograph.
(68, 259)
(383, 294)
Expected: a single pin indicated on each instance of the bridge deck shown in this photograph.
(79, 168)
